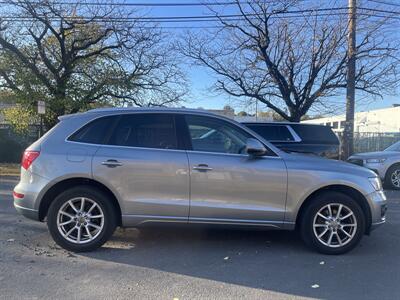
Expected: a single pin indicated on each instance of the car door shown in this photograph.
(228, 185)
(143, 164)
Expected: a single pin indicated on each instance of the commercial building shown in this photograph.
(378, 120)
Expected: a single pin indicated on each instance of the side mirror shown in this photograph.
(255, 148)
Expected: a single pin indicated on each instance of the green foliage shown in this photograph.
(19, 118)
(78, 63)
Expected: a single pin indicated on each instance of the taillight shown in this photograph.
(18, 195)
(28, 158)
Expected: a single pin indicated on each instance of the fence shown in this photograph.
(372, 141)
(12, 144)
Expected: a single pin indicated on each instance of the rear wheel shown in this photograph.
(81, 219)
(333, 223)
(392, 179)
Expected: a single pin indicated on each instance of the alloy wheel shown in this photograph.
(80, 220)
(335, 225)
(395, 178)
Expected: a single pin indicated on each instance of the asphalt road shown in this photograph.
(194, 263)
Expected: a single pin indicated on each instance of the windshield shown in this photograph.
(394, 147)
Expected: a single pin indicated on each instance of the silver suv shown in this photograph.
(131, 167)
(385, 163)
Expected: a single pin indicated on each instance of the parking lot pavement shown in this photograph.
(194, 263)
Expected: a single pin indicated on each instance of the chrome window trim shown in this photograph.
(127, 147)
(174, 150)
(229, 154)
(119, 113)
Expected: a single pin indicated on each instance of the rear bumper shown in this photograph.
(27, 212)
(28, 193)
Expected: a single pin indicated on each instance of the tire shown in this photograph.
(320, 204)
(390, 173)
(96, 224)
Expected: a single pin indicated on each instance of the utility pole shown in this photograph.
(348, 136)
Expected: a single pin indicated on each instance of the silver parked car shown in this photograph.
(131, 167)
(385, 163)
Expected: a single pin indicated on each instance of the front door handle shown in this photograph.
(202, 167)
(111, 163)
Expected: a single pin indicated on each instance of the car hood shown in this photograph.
(378, 154)
(312, 162)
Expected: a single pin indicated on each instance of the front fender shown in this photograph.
(301, 185)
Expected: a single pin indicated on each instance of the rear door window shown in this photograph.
(95, 132)
(145, 130)
(273, 133)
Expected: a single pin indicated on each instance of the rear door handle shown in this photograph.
(111, 163)
(202, 167)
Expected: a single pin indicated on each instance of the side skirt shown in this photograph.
(139, 220)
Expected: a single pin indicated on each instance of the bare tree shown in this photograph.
(290, 62)
(78, 55)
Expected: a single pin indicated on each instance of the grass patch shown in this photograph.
(9, 169)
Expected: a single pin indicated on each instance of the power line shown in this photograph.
(385, 2)
(172, 4)
(195, 17)
(379, 10)
(133, 19)
(217, 17)
(213, 18)
(116, 20)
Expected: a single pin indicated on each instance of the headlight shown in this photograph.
(376, 160)
(376, 183)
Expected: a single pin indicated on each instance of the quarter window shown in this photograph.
(145, 130)
(94, 132)
(211, 135)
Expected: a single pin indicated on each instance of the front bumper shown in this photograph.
(378, 205)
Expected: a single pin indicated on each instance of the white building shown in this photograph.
(229, 112)
(378, 120)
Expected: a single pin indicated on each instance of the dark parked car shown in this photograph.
(296, 137)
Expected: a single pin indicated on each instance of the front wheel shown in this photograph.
(333, 223)
(81, 219)
(392, 179)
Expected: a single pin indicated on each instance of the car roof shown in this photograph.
(281, 123)
(147, 109)
(126, 110)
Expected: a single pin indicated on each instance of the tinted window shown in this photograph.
(94, 132)
(211, 135)
(272, 132)
(315, 134)
(145, 130)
